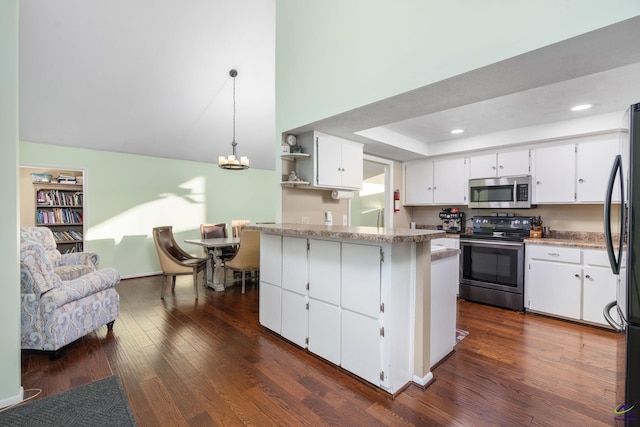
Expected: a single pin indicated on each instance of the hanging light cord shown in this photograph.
(233, 73)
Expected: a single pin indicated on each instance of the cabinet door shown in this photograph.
(329, 161)
(444, 287)
(594, 160)
(352, 165)
(361, 346)
(513, 163)
(599, 288)
(324, 330)
(361, 279)
(271, 259)
(483, 166)
(295, 274)
(450, 182)
(554, 288)
(418, 182)
(270, 298)
(555, 174)
(294, 317)
(324, 270)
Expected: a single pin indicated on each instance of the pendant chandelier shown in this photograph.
(231, 161)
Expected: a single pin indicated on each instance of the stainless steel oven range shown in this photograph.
(492, 260)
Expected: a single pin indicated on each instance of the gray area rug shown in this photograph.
(100, 403)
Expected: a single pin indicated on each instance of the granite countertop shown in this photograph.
(573, 243)
(445, 253)
(374, 234)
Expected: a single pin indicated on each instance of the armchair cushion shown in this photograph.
(67, 266)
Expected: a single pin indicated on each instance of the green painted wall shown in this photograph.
(127, 195)
(10, 389)
(334, 55)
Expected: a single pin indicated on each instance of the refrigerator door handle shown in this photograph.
(607, 316)
(615, 170)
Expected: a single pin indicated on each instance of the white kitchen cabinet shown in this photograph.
(294, 317)
(295, 276)
(599, 286)
(555, 171)
(569, 282)
(418, 183)
(594, 160)
(450, 184)
(495, 165)
(359, 309)
(270, 282)
(324, 270)
(270, 306)
(324, 299)
(361, 279)
(324, 330)
(334, 162)
(294, 289)
(361, 346)
(444, 288)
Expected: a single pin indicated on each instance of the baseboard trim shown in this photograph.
(12, 400)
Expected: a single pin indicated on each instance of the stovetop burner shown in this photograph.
(503, 227)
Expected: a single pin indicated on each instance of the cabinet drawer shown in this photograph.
(554, 253)
(600, 258)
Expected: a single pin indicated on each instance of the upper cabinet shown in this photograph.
(576, 172)
(435, 182)
(499, 164)
(594, 159)
(555, 171)
(334, 162)
(418, 183)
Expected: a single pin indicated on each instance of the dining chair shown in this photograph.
(236, 226)
(212, 231)
(174, 260)
(247, 259)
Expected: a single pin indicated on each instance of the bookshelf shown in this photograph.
(60, 208)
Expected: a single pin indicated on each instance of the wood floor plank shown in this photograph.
(209, 362)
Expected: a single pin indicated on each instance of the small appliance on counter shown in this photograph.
(452, 220)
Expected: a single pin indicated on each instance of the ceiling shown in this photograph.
(163, 89)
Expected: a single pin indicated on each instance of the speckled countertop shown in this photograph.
(573, 239)
(374, 234)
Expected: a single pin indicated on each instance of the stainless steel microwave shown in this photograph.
(513, 192)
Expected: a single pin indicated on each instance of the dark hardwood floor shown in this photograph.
(209, 363)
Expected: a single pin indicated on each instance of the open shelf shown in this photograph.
(294, 183)
(294, 156)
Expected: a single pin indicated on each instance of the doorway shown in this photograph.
(372, 206)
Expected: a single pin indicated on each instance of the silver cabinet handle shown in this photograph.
(538, 182)
(581, 180)
(577, 275)
(587, 276)
(553, 253)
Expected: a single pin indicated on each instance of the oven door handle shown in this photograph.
(492, 242)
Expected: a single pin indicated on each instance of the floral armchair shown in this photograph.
(67, 266)
(56, 311)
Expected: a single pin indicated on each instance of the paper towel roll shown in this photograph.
(339, 194)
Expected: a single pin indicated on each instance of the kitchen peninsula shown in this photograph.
(359, 297)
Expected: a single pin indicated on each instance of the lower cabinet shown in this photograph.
(337, 314)
(567, 282)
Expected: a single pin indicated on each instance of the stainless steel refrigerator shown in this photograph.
(623, 244)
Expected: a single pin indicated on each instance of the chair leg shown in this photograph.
(173, 283)
(164, 285)
(243, 276)
(195, 282)
(110, 325)
(224, 276)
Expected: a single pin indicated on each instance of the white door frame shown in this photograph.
(388, 188)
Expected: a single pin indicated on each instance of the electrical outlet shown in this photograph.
(305, 220)
(345, 220)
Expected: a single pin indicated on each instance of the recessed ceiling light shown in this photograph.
(456, 131)
(581, 107)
